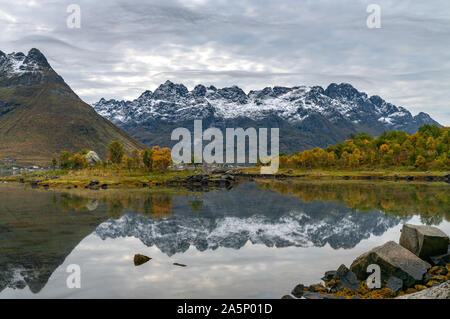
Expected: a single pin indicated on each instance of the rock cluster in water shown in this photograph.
(418, 267)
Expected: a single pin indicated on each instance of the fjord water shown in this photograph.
(256, 240)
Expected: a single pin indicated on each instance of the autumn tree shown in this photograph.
(420, 162)
(79, 161)
(161, 158)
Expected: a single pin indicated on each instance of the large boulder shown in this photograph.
(424, 241)
(93, 158)
(394, 260)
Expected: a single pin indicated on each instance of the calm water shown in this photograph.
(257, 240)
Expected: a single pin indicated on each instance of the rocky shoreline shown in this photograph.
(416, 268)
(395, 177)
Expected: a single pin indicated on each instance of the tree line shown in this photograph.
(155, 158)
(428, 148)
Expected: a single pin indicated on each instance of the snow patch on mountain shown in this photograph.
(174, 103)
(16, 64)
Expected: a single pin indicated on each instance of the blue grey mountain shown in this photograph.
(307, 116)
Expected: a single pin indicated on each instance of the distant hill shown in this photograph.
(40, 115)
(307, 116)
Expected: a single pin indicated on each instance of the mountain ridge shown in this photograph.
(314, 115)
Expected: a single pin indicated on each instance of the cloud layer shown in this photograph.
(125, 47)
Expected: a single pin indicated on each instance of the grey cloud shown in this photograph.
(125, 47)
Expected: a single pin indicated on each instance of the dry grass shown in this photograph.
(123, 178)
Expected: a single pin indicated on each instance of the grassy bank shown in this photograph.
(122, 178)
(135, 178)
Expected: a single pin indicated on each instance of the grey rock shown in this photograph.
(394, 260)
(346, 277)
(437, 292)
(328, 275)
(93, 158)
(441, 260)
(287, 297)
(298, 291)
(316, 295)
(424, 241)
(394, 283)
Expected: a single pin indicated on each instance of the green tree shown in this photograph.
(115, 152)
(136, 158)
(147, 159)
(54, 163)
(64, 159)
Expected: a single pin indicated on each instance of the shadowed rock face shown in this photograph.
(424, 241)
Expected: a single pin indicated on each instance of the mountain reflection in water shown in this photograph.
(40, 229)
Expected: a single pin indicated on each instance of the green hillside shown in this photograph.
(40, 116)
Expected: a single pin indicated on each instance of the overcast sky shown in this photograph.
(126, 47)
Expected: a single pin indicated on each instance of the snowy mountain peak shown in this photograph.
(35, 56)
(19, 69)
(170, 91)
(18, 63)
(199, 91)
(343, 91)
(145, 95)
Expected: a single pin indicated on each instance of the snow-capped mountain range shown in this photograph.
(174, 102)
(332, 113)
